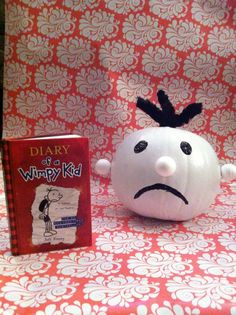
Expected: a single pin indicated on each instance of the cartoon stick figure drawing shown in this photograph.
(53, 195)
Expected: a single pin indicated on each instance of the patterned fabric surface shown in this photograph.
(136, 265)
(78, 66)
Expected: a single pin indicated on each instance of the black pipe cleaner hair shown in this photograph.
(166, 116)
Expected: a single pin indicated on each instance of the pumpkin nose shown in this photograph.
(165, 166)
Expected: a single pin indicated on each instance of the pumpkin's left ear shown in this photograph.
(103, 167)
(228, 172)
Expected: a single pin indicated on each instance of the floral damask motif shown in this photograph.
(234, 17)
(158, 265)
(160, 61)
(97, 190)
(117, 210)
(201, 66)
(185, 243)
(16, 126)
(228, 241)
(184, 35)
(208, 225)
(202, 291)
(230, 146)
(166, 309)
(143, 120)
(218, 264)
(3, 221)
(141, 30)
(211, 12)
(55, 22)
(81, 5)
(103, 200)
(213, 95)
(17, 266)
(6, 309)
(196, 125)
(7, 102)
(49, 126)
(229, 73)
(98, 25)
(16, 76)
(125, 6)
(223, 211)
(17, 20)
(120, 290)
(122, 242)
(73, 108)
(223, 123)
(39, 3)
(234, 102)
(75, 52)
(93, 82)
(222, 41)
(149, 226)
(119, 134)
(213, 140)
(31, 293)
(96, 134)
(3, 201)
(88, 264)
(134, 84)
(77, 308)
(9, 48)
(118, 56)
(178, 89)
(112, 112)
(33, 49)
(4, 240)
(168, 9)
(52, 79)
(33, 104)
(101, 224)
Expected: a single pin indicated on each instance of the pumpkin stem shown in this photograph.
(167, 116)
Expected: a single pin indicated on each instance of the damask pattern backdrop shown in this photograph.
(79, 65)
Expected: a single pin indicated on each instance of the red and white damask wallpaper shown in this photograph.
(78, 66)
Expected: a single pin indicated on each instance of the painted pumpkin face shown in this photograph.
(165, 173)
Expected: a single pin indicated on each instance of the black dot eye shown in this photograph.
(140, 146)
(186, 147)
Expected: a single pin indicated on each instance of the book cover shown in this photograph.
(47, 182)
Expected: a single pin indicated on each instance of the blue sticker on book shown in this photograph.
(67, 222)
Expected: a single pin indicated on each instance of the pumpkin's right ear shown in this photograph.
(103, 167)
(228, 172)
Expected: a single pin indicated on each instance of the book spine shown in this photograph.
(9, 197)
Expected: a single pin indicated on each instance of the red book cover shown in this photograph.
(47, 182)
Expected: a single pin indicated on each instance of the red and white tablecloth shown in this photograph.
(135, 266)
(77, 66)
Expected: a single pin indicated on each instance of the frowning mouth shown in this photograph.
(160, 186)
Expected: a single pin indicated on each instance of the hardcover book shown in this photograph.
(47, 182)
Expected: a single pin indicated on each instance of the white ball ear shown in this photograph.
(228, 172)
(102, 167)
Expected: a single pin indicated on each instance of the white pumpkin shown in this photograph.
(166, 173)
(175, 177)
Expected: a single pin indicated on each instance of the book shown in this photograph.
(47, 183)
